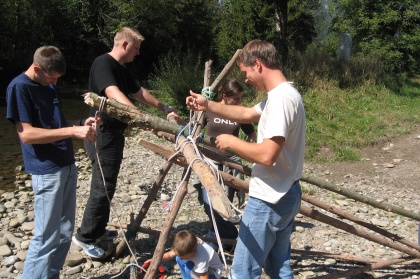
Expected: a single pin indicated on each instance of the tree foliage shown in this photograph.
(389, 29)
(84, 29)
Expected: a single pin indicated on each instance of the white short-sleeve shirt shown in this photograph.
(282, 114)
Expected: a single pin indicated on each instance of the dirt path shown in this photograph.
(397, 160)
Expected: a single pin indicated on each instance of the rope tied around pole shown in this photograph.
(207, 93)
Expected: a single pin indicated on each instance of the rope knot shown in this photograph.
(207, 93)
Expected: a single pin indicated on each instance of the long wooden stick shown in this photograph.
(363, 269)
(314, 214)
(157, 256)
(359, 221)
(350, 194)
(180, 160)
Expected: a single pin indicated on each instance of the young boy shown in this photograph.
(196, 259)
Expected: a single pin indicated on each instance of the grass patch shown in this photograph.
(344, 121)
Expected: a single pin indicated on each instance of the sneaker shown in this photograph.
(108, 235)
(92, 250)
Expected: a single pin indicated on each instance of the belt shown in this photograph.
(111, 130)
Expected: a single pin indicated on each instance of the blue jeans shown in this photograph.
(54, 207)
(264, 237)
(186, 267)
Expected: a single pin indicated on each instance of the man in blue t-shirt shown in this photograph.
(33, 105)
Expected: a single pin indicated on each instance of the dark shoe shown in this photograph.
(108, 235)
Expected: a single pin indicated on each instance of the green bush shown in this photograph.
(175, 75)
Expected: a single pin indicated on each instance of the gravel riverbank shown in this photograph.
(374, 179)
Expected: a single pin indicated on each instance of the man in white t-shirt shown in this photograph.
(274, 189)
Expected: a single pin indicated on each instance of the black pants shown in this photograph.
(226, 228)
(110, 146)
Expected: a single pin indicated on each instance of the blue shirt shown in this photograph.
(31, 102)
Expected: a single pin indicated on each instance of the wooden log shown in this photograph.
(130, 115)
(363, 269)
(314, 214)
(359, 221)
(157, 256)
(180, 160)
(225, 72)
(350, 194)
(210, 154)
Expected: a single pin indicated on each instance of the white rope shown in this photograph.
(101, 107)
(179, 146)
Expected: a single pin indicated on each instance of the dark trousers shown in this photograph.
(226, 228)
(110, 147)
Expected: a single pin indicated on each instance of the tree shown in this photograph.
(243, 21)
(389, 29)
(285, 23)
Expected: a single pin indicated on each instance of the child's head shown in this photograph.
(185, 244)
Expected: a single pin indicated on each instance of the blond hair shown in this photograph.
(127, 34)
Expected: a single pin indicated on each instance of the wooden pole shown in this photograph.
(167, 226)
(350, 194)
(359, 221)
(363, 269)
(180, 160)
(157, 256)
(314, 214)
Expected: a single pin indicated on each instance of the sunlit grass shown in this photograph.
(347, 120)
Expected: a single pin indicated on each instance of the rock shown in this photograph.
(19, 266)
(73, 259)
(8, 261)
(14, 223)
(330, 262)
(73, 270)
(5, 250)
(27, 226)
(21, 255)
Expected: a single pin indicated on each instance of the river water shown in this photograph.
(11, 155)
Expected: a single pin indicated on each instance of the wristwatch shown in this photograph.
(165, 107)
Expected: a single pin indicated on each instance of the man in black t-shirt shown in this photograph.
(110, 78)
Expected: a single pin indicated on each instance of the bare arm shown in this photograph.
(33, 135)
(166, 256)
(143, 95)
(265, 153)
(115, 93)
(235, 113)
